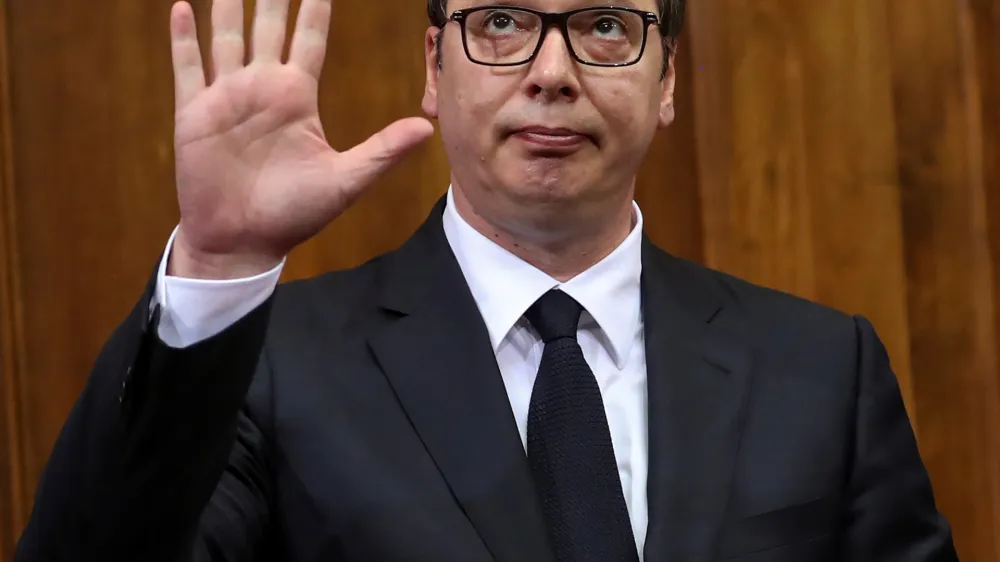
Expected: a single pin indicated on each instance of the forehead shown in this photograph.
(556, 5)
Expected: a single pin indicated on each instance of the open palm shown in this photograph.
(255, 173)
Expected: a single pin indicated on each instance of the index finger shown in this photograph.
(189, 70)
(312, 31)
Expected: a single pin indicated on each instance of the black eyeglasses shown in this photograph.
(595, 36)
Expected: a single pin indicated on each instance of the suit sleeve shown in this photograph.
(155, 435)
(196, 309)
(891, 516)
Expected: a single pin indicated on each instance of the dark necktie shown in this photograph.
(569, 445)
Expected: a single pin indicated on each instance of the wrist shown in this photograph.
(187, 262)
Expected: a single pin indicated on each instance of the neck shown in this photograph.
(562, 252)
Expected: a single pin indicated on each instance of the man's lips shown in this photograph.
(551, 138)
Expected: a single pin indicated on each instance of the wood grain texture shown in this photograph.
(796, 155)
(952, 303)
(751, 143)
(985, 16)
(13, 493)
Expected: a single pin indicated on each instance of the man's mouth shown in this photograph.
(551, 139)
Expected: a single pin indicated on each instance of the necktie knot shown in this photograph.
(555, 315)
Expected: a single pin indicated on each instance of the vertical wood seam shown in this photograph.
(975, 154)
(11, 319)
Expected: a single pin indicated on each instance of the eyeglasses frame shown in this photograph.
(560, 20)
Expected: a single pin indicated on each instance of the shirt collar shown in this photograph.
(504, 286)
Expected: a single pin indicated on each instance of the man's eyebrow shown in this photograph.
(606, 4)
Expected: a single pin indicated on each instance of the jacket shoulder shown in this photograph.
(773, 318)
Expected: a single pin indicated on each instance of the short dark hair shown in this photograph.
(671, 22)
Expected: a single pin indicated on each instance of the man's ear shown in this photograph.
(432, 63)
(667, 98)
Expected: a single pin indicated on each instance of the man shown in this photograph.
(526, 379)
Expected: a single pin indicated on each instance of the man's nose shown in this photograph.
(552, 73)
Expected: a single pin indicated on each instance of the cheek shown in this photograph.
(631, 113)
(459, 119)
(473, 105)
(467, 121)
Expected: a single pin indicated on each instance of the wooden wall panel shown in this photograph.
(985, 26)
(952, 304)
(796, 154)
(751, 142)
(13, 493)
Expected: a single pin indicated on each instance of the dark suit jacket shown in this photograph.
(361, 416)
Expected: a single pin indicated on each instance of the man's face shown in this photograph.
(550, 131)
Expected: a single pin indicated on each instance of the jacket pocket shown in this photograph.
(793, 524)
(817, 549)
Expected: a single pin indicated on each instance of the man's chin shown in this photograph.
(546, 191)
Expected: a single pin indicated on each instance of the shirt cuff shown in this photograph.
(193, 310)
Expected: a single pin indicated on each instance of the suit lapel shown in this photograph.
(437, 356)
(698, 374)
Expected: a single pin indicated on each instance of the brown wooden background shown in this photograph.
(846, 151)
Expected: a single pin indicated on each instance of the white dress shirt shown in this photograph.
(504, 287)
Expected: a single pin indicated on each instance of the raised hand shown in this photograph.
(255, 173)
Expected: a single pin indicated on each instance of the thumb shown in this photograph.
(379, 152)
